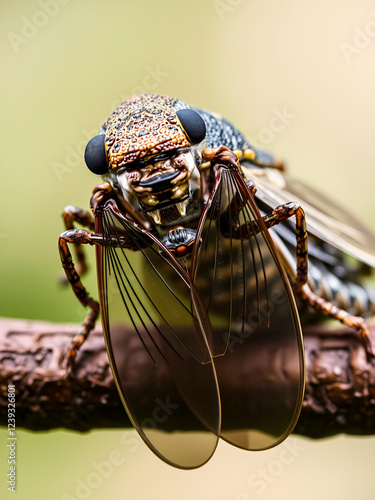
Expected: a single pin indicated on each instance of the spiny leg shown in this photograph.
(78, 237)
(301, 288)
(71, 215)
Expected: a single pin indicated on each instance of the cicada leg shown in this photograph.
(301, 288)
(73, 214)
(259, 157)
(253, 155)
(78, 237)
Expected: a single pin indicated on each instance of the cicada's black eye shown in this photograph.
(95, 157)
(193, 124)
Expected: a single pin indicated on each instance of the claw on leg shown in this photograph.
(356, 322)
(82, 335)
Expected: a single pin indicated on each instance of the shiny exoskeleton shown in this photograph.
(193, 259)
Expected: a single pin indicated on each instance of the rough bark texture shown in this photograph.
(339, 397)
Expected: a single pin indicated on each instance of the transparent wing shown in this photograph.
(146, 296)
(325, 219)
(256, 335)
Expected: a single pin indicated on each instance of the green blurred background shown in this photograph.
(66, 65)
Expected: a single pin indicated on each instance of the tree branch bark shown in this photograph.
(339, 397)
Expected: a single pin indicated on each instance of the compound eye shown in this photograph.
(95, 157)
(193, 124)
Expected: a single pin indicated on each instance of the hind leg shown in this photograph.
(301, 289)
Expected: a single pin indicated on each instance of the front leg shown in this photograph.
(73, 215)
(78, 237)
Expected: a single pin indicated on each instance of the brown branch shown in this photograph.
(340, 381)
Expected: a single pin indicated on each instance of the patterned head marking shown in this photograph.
(144, 124)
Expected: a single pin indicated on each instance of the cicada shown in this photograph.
(191, 276)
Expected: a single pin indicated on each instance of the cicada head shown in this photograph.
(150, 153)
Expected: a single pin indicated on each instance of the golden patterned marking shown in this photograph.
(145, 124)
